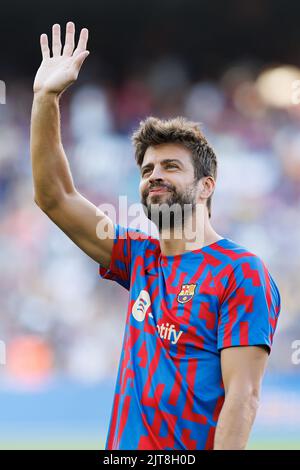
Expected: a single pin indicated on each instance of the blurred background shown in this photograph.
(234, 67)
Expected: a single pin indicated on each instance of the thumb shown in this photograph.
(80, 59)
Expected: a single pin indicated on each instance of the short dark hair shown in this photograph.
(155, 131)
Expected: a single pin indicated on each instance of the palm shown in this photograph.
(56, 73)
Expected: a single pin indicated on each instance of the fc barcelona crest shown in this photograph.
(187, 293)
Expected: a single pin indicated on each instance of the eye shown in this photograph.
(145, 172)
(172, 165)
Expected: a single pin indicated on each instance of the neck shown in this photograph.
(196, 233)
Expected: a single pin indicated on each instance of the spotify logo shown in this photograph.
(141, 305)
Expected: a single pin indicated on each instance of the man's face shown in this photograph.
(167, 179)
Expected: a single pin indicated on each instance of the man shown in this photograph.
(201, 316)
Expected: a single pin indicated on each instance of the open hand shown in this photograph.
(58, 72)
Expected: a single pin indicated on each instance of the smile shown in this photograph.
(158, 190)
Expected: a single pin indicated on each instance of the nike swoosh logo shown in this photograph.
(151, 273)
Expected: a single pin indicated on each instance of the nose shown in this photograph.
(156, 175)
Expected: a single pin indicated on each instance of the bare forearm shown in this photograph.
(235, 423)
(51, 172)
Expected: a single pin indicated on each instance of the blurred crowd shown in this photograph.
(57, 318)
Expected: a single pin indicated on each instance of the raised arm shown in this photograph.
(54, 190)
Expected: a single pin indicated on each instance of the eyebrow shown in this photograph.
(165, 160)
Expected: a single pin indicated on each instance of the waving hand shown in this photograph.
(60, 70)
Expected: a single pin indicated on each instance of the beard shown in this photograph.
(169, 210)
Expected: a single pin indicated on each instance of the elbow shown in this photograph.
(36, 200)
(252, 402)
(45, 206)
(249, 398)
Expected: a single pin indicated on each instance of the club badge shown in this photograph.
(187, 293)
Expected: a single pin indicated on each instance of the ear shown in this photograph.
(206, 187)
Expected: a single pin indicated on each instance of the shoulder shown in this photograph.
(233, 266)
(138, 240)
(228, 256)
(241, 259)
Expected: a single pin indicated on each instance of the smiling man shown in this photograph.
(200, 322)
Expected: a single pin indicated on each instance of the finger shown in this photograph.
(80, 58)
(44, 46)
(82, 42)
(56, 42)
(69, 41)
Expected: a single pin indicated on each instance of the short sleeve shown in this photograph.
(120, 265)
(250, 306)
(127, 242)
